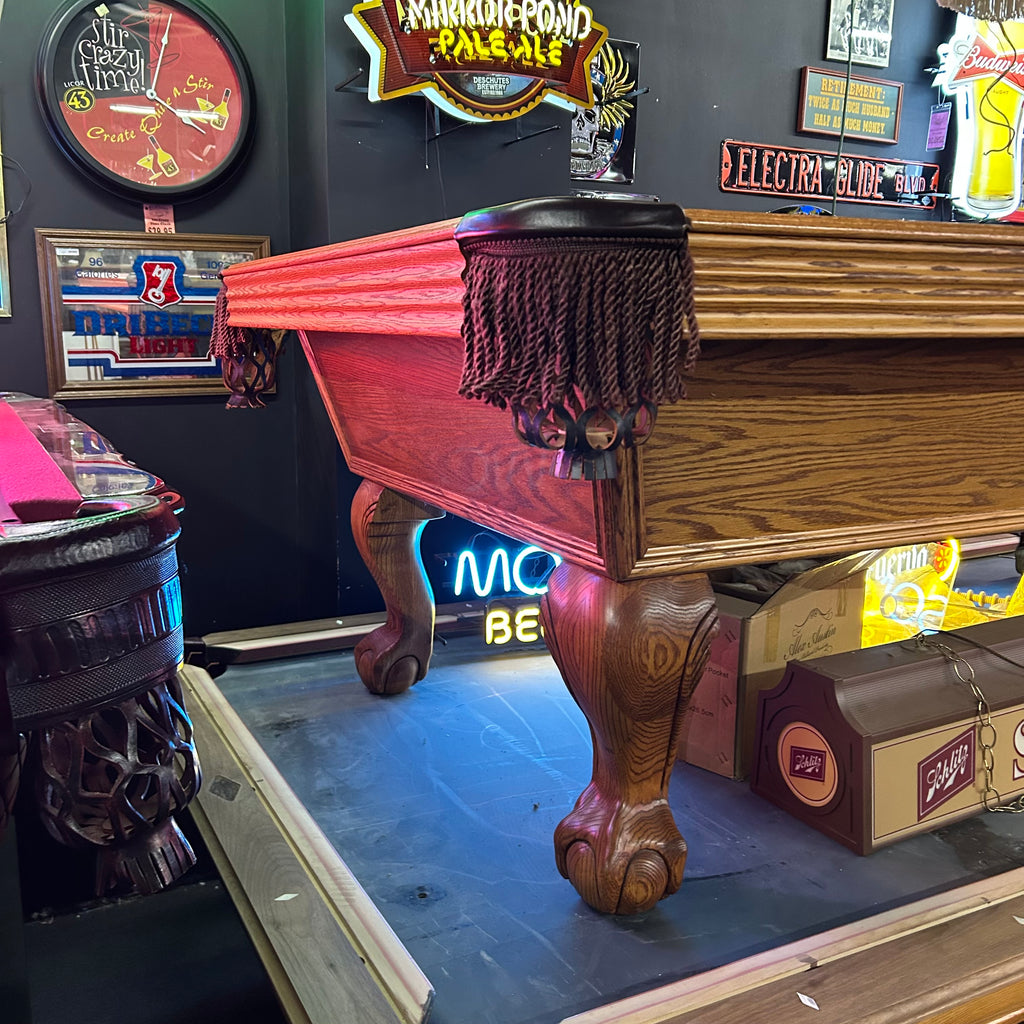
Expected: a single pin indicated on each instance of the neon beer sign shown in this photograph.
(480, 60)
(525, 574)
(982, 67)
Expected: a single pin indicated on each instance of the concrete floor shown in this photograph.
(443, 801)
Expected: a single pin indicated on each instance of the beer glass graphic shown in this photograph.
(995, 106)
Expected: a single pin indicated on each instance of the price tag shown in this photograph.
(159, 219)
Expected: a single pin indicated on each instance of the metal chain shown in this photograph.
(964, 671)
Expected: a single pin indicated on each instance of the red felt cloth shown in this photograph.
(31, 483)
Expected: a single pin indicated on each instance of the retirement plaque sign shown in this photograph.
(872, 108)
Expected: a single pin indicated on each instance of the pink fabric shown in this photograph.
(31, 483)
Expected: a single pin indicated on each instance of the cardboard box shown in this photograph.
(863, 600)
(817, 612)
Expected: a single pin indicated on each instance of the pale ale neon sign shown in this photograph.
(480, 59)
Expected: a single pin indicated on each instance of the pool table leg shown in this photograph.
(387, 528)
(631, 654)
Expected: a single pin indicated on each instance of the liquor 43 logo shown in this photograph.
(159, 280)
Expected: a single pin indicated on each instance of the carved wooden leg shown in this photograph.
(631, 654)
(387, 528)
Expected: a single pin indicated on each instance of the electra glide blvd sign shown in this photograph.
(811, 174)
(480, 60)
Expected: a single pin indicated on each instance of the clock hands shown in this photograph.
(181, 115)
(151, 91)
(160, 58)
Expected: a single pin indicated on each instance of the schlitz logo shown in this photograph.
(158, 279)
(805, 763)
(945, 773)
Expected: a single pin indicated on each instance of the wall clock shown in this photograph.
(152, 98)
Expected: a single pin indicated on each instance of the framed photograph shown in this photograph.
(872, 31)
(5, 274)
(129, 314)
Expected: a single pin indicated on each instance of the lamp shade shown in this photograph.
(987, 10)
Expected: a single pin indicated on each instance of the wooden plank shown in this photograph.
(291, 1005)
(342, 958)
(901, 967)
(786, 450)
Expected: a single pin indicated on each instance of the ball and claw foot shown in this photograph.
(385, 663)
(621, 860)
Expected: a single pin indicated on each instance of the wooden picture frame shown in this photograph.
(129, 314)
(5, 270)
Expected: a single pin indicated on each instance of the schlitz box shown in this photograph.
(876, 745)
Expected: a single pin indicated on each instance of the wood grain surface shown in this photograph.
(387, 528)
(773, 276)
(630, 654)
(397, 413)
(756, 276)
(343, 960)
(788, 448)
(859, 388)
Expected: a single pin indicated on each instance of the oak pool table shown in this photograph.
(858, 387)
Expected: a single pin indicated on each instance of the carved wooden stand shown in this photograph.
(630, 653)
(91, 709)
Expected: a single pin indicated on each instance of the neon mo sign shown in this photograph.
(522, 571)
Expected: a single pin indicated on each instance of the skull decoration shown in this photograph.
(585, 124)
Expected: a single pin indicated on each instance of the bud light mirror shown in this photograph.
(129, 314)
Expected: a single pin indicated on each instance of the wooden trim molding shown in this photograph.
(756, 276)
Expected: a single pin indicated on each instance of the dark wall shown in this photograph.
(716, 69)
(247, 552)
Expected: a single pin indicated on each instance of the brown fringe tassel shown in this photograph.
(227, 342)
(987, 10)
(609, 320)
(248, 357)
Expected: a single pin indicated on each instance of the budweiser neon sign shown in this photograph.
(982, 61)
(480, 59)
(982, 67)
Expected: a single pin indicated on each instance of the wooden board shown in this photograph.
(955, 958)
(787, 448)
(340, 956)
(756, 276)
(396, 410)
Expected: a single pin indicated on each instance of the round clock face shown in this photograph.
(154, 99)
